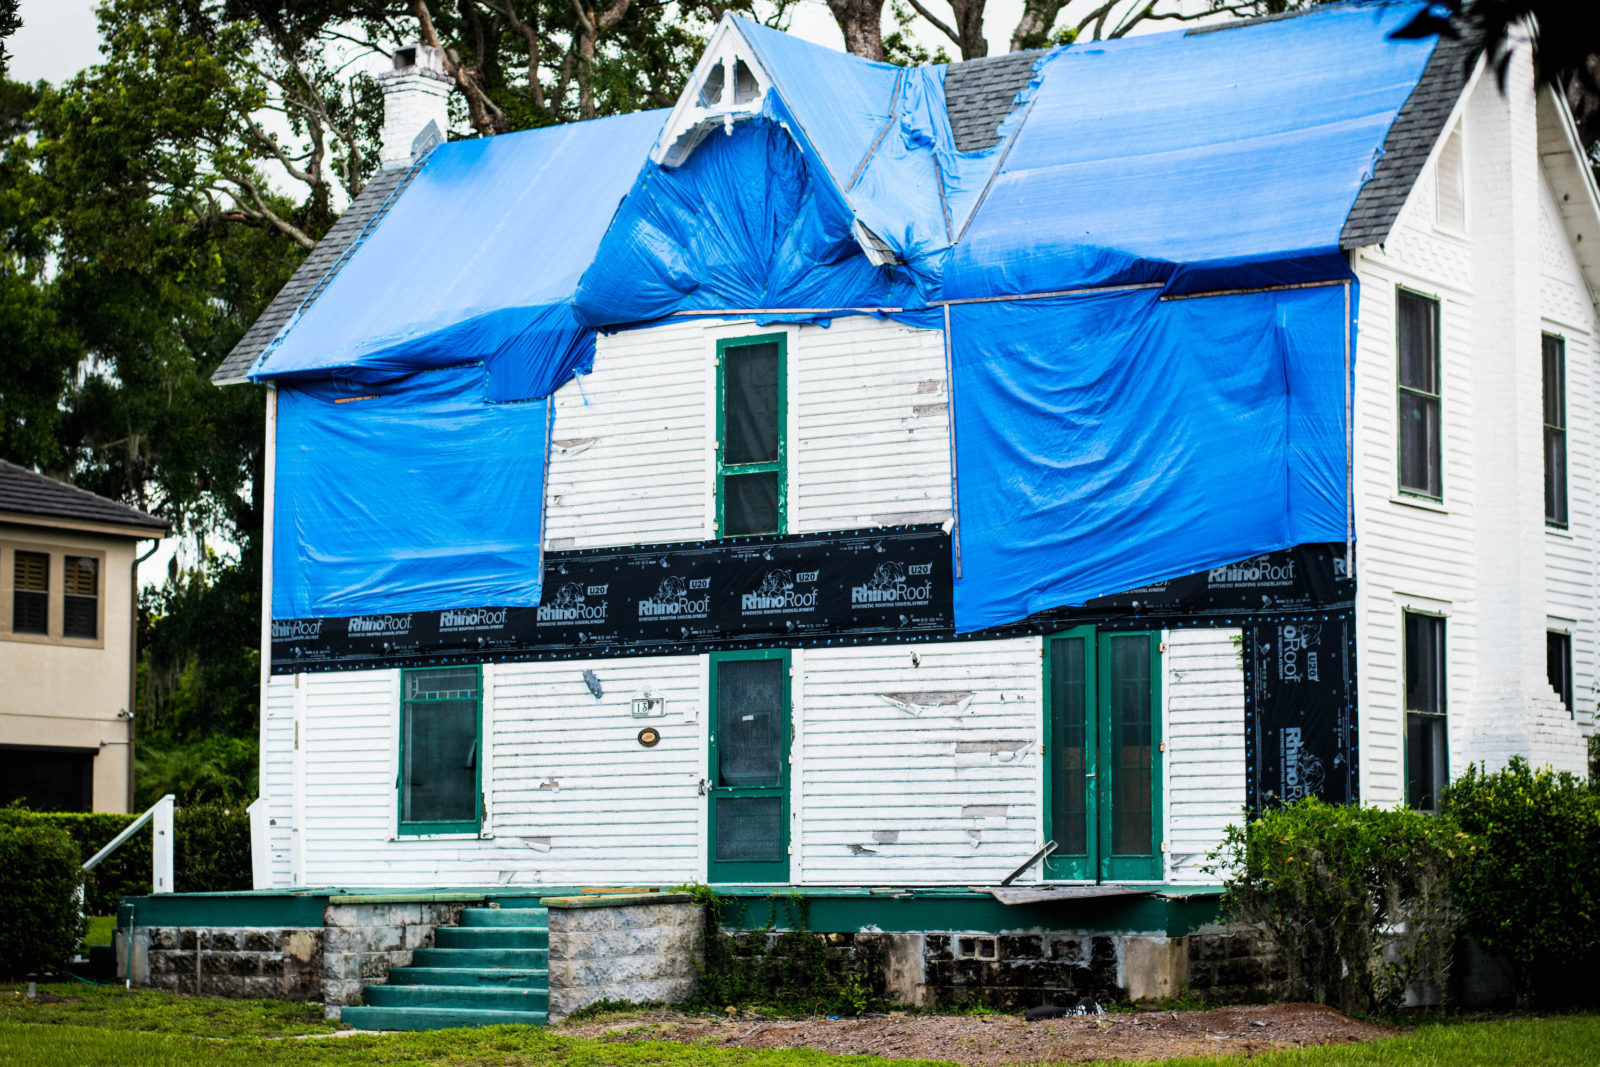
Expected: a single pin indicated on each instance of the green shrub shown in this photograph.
(1355, 898)
(39, 892)
(1529, 885)
(213, 850)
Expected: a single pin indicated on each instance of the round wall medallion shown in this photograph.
(649, 736)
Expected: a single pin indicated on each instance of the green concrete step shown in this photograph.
(493, 998)
(364, 1017)
(480, 958)
(499, 977)
(491, 937)
(504, 917)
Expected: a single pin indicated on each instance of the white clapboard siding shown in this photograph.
(873, 419)
(577, 799)
(1205, 758)
(631, 461)
(949, 796)
(277, 778)
(1391, 570)
(1570, 561)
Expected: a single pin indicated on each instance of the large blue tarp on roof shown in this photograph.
(1103, 441)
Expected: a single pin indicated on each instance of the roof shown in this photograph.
(980, 93)
(24, 492)
(1410, 142)
(313, 274)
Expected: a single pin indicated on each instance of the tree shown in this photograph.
(10, 23)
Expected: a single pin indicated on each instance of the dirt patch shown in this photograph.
(996, 1040)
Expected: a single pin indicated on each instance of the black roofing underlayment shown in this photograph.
(978, 95)
(1411, 139)
(312, 274)
(24, 492)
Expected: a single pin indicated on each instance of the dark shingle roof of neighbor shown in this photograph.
(24, 492)
(317, 270)
(1410, 141)
(980, 93)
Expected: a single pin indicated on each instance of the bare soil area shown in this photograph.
(996, 1040)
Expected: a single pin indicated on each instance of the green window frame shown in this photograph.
(418, 705)
(729, 471)
(721, 792)
(1426, 692)
(1086, 673)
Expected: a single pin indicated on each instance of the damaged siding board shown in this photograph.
(887, 798)
(866, 452)
(277, 778)
(1205, 757)
(637, 466)
(618, 812)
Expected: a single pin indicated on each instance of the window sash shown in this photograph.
(775, 464)
(80, 597)
(428, 696)
(30, 592)
(1419, 389)
(1558, 666)
(1555, 429)
(1427, 741)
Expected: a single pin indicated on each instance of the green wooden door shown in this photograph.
(749, 759)
(1102, 788)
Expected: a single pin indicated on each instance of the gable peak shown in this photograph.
(728, 85)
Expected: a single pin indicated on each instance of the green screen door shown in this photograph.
(749, 758)
(1102, 763)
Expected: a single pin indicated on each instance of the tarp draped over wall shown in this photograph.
(1103, 440)
(421, 495)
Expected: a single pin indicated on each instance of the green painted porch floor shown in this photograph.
(492, 969)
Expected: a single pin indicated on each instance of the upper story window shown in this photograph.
(1555, 431)
(80, 597)
(751, 471)
(1427, 764)
(1450, 184)
(1417, 341)
(1558, 665)
(30, 593)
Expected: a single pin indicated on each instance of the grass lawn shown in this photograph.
(101, 927)
(110, 1026)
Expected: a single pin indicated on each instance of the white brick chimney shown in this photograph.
(415, 93)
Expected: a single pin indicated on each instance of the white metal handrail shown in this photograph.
(159, 816)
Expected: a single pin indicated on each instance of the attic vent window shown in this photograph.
(745, 86)
(728, 86)
(1450, 193)
(711, 91)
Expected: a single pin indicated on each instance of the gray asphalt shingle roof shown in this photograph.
(1410, 141)
(26, 493)
(314, 274)
(980, 93)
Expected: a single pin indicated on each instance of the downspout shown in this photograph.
(133, 655)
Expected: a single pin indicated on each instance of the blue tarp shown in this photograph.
(422, 495)
(1104, 441)
(476, 261)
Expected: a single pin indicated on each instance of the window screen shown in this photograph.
(1069, 745)
(749, 828)
(750, 451)
(439, 754)
(1426, 758)
(1130, 695)
(1555, 430)
(1558, 665)
(1418, 342)
(750, 721)
(80, 602)
(30, 593)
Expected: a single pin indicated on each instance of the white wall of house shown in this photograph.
(1482, 556)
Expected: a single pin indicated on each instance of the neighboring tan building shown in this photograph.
(67, 623)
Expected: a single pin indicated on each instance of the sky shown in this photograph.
(59, 37)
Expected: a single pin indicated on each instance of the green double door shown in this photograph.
(1102, 788)
(748, 785)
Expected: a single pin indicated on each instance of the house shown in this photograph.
(68, 621)
(951, 494)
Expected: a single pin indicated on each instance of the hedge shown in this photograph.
(213, 850)
(39, 888)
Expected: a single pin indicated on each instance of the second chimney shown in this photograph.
(415, 93)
